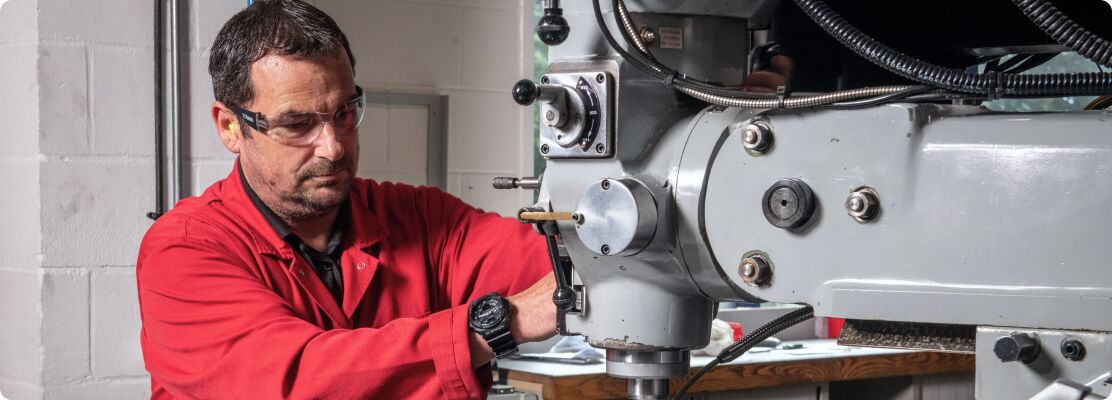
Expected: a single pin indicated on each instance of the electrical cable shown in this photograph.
(992, 85)
(710, 93)
(1065, 31)
(900, 95)
(755, 337)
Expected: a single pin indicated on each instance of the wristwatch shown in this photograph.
(489, 316)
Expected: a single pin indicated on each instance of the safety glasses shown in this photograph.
(301, 129)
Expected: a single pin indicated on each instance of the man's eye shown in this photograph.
(297, 124)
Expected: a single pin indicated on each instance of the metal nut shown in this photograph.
(756, 137)
(648, 35)
(755, 271)
(863, 204)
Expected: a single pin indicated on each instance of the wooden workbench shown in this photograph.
(818, 361)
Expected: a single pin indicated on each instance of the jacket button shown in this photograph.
(361, 266)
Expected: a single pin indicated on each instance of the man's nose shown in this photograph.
(327, 145)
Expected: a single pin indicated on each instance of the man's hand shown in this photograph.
(532, 319)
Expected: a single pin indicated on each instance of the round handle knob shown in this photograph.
(525, 92)
(552, 28)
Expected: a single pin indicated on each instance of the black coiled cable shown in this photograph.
(752, 339)
(991, 84)
(1065, 31)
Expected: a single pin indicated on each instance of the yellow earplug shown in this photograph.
(234, 129)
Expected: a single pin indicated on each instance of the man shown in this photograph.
(290, 278)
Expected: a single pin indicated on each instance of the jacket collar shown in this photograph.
(365, 230)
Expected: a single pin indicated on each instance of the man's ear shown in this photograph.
(227, 126)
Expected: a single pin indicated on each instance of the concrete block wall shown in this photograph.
(20, 249)
(76, 79)
(472, 51)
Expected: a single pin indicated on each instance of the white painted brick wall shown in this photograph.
(20, 87)
(65, 325)
(64, 99)
(122, 98)
(19, 22)
(93, 210)
(21, 247)
(102, 21)
(21, 345)
(115, 324)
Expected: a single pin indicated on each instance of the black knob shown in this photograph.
(525, 92)
(564, 298)
(552, 28)
(1016, 347)
(788, 204)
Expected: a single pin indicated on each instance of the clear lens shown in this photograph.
(302, 129)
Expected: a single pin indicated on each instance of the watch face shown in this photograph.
(487, 312)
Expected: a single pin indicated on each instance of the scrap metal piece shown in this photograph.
(948, 338)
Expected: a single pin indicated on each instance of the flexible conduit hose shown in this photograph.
(794, 102)
(992, 85)
(715, 95)
(754, 338)
(1065, 31)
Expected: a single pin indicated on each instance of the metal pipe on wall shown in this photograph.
(175, 103)
(159, 151)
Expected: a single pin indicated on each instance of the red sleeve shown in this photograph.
(479, 252)
(212, 329)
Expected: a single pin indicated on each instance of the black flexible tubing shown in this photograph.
(992, 84)
(1065, 31)
(755, 337)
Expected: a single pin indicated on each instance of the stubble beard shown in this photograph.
(308, 202)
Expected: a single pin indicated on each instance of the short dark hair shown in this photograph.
(283, 27)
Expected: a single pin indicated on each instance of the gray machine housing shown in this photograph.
(987, 219)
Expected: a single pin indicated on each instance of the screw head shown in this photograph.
(648, 35)
(756, 137)
(577, 218)
(600, 78)
(544, 79)
(600, 148)
(863, 204)
(751, 136)
(755, 271)
(544, 149)
(605, 184)
(550, 115)
(605, 249)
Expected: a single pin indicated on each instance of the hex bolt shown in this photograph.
(1016, 346)
(756, 137)
(605, 249)
(755, 271)
(544, 149)
(605, 184)
(863, 204)
(1073, 349)
(600, 148)
(648, 35)
(600, 78)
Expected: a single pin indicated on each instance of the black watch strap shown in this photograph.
(501, 341)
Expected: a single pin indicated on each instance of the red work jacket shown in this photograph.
(231, 312)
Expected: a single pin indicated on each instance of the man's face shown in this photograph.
(301, 183)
